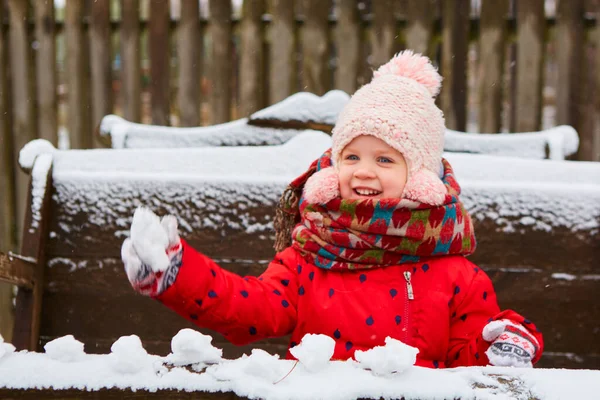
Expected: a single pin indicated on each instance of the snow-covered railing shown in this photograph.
(537, 223)
(196, 369)
(278, 123)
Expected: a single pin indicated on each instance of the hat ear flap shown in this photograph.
(322, 187)
(425, 187)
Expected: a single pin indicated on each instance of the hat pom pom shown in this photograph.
(425, 187)
(413, 66)
(322, 187)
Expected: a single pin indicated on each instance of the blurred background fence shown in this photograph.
(508, 66)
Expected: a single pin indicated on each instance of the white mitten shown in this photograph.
(511, 344)
(152, 254)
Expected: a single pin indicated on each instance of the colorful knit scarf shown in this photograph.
(362, 234)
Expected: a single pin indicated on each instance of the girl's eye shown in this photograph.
(351, 157)
(384, 160)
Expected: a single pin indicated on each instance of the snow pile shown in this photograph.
(306, 107)
(128, 356)
(259, 367)
(66, 349)
(192, 347)
(314, 351)
(5, 348)
(149, 239)
(394, 357)
(32, 150)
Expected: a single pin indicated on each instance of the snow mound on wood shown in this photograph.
(314, 351)
(394, 357)
(66, 349)
(192, 347)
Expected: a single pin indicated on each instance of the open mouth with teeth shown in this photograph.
(367, 192)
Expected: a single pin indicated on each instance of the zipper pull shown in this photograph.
(409, 288)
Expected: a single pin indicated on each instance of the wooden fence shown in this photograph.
(164, 62)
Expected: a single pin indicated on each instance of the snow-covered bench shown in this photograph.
(277, 124)
(537, 224)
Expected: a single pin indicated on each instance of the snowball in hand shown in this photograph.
(128, 355)
(65, 348)
(191, 347)
(5, 348)
(395, 356)
(150, 240)
(314, 351)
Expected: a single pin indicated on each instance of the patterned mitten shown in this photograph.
(511, 344)
(152, 254)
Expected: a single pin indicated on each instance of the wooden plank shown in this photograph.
(419, 32)
(282, 40)
(189, 51)
(16, 272)
(221, 56)
(455, 43)
(45, 64)
(158, 43)
(252, 63)
(594, 87)
(78, 123)
(100, 60)
(113, 393)
(569, 51)
(23, 112)
(29, 302)
(530, 61)
(492, 44)
(347, 43)
(130, 53)
(315, 47)
(383, 32)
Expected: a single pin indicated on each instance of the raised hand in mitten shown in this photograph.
(511, 344)
(152, 254)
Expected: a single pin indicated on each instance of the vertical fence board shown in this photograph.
(158, 41)
(595, 87)
(189, 50)
(455, 31)
(220, 76)
(347, 43)
(45, 63)
(100, 60)
(252, 58)
(282, 51)
(23, 117)
(420, 15)
(77, 77)
(7, 193)
(315, 47)
(491, 54)
(530, 62)
(131, 64)
(383, 32)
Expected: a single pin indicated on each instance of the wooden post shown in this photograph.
(80, 132)
(282, 50)
(315, 47)
(347, 42)
(131, 64)
(100, 58)
(252, 58)
(383, 32)
(455, 43)
(491, 52)
(189, 51)
(22, 74)
(158, 41)
(29, 302)
(45, 63)
(530, 63)
(595, 82)
(420, 14)
(220, 75)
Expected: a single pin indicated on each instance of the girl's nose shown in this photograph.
(364, 173)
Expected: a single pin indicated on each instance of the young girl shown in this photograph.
(371, 243)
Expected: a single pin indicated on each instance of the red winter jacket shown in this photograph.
(439, 306)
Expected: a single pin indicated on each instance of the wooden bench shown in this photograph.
(537, 224)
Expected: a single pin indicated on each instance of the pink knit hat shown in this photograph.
(398, 107)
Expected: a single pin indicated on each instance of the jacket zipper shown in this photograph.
(411, 296)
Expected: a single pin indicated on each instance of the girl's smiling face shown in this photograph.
(371, 169)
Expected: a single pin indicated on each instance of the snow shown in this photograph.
(65, 348)
(394, 357)
(314, 351)
(149, 239)
(31, 150)
(191, 347)
(262, 375)
(39, 175)
(5, 348)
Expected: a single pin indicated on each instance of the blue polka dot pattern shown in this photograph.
(393, 293)
(293, 344)
(299, 268)
(425, 267)
(199, 302)
(476, 269)
(193, 316)
(436, 364)
(212, 271)
(337, 334)
(252, 330)
(485, 295)
(398, 319)
(349, 346)
(362, 278)
(285, 303)
(463, 317)
(301, 291)
(526, 321)
(244, 293)
(277, 292)
(477, 356)
(370, 321)
(212, 294)
(285, 282)
(331, 292)
(311, 276)
(456, 290)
